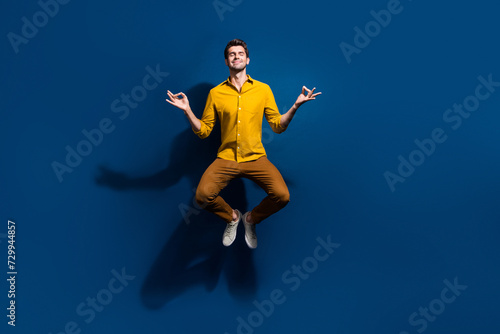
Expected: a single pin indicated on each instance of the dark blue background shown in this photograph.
(119, 208)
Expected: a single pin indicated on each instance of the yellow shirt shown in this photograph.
(240, 115)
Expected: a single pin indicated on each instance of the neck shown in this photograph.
(238, 78)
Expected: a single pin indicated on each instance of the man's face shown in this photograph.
(237, 58)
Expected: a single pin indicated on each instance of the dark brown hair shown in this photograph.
(236, 42)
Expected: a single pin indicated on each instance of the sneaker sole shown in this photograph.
(248, 243)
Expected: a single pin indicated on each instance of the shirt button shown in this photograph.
(238, 147)
(238, 134)
(239, 96)
(239, 121)
(239, 108)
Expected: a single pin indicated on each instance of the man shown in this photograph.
(240, 103)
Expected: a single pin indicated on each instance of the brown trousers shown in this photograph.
(261, 171)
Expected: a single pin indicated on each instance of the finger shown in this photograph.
(174, 96)
(316, 94)
(171, 95)
(170, 102)
(303, 89)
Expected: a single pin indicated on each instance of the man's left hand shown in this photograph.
(306, 95)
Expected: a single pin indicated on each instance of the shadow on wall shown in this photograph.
(194, 254)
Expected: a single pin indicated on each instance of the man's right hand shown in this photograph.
(179, 100)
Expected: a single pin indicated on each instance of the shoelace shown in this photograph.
(229, 229)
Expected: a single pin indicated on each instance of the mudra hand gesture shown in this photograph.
(179, 100)
(303, 97)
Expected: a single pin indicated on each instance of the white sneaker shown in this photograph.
(230, 232)
(250, 236)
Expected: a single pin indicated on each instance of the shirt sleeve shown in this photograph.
(272, 114)
(208, 118)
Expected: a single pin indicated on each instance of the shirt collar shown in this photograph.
(249, 79)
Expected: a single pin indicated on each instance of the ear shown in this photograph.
(225, 60)
(248, 61)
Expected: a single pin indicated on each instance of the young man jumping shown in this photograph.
(240, 103)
